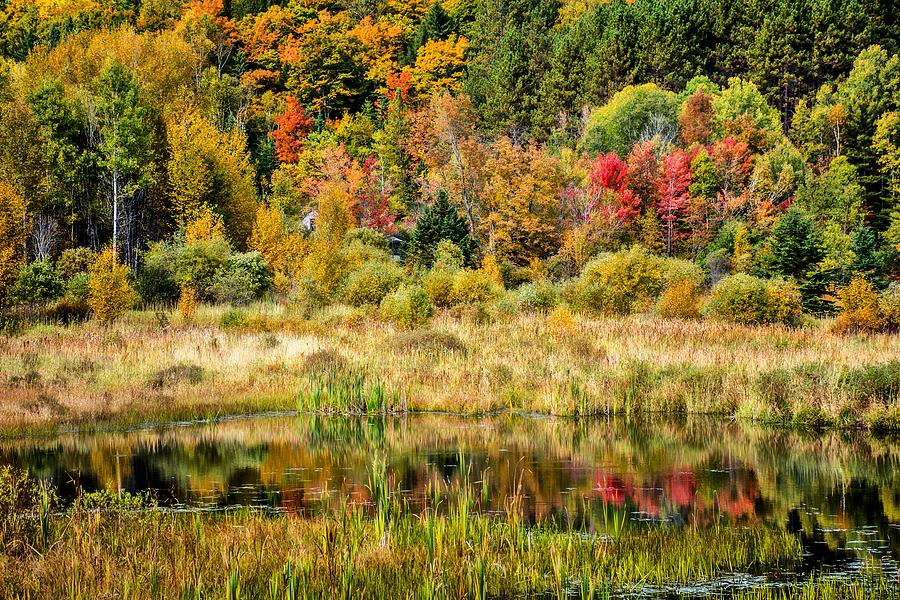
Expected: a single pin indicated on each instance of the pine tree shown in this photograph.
(795, 252)
(439, 221)
(436, 25)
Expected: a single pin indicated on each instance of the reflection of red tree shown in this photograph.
(678, 488)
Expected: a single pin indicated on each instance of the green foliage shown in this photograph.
(243, 277)
(73, 261)
(408, 306)
(370, 283)
(796, 249)
(636, 113)
(232, 319)
(158, 278)
(629, 280)
(438, 284)
(38, 282)
(367, 237)
(473, 287)
(740, 298)
(749, 300)
(439, 221)
(77, 289)
(537, 296)
(448, 256)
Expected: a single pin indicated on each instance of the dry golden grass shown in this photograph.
(138, 370)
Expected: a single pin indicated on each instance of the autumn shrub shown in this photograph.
(110, 295)
(473, 287)
(187, 303)
(73, 261)
(243, 278)
(370, 283)
(12, 237)
(408, 306)
(740, 298)
(889, 307)
(621, 282)
(859, 308)
(307, 296)
(537, 296)
(785, 302)
(438, 284)
(681, 300)
(39, 282)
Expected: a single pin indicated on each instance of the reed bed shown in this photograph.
(107, 546)
(147, 368)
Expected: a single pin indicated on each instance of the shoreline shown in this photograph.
(84, 378)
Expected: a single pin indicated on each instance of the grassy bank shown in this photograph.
(104, 546)
(149, 367)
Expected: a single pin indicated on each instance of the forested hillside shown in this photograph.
(226, 150)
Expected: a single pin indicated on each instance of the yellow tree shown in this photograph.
(210, 167)
(522, 200)
(12, 236)
(109, 294)
(440, 65)
(281, 249)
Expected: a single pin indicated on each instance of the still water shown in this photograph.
(840, 492)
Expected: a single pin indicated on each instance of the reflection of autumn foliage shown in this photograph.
(678, 489)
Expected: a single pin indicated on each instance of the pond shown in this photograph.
(839, 492)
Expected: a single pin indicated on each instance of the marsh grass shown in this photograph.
(83, 375)
(124, 547)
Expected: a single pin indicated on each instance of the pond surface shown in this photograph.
(840, 492)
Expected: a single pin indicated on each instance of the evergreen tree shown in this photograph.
(440, 221)
(436, 25)
(795, 252)
(868, 260)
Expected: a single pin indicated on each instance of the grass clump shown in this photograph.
(180, 373)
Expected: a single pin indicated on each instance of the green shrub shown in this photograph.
(538, 296)
(242, 279)
(77, 289)
(198, 262)
(448, 256)
(38, 282)
(232, 319)
(472, 287)
(740, 298)
(438, 284)
(407, 306)
(622, 282)
(158, 278)
(370, 283)
(73, 261)
(367, 237)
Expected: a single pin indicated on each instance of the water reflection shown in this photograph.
(838, 491)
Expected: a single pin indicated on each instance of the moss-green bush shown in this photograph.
(473, 287)
(621, 282)
(408, 306)
(538, 296)
(438, 284)
(370, 283)
(740, 298)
